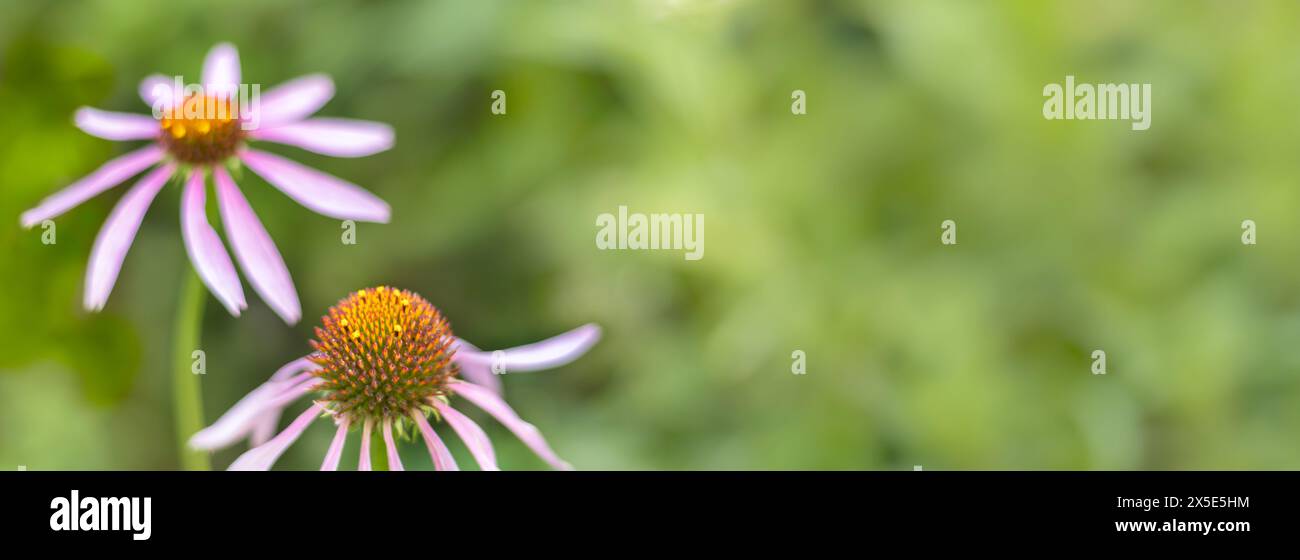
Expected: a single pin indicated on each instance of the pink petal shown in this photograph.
(478, 443)
(205, 248)
(292, 368)
(115, 126)
(295, 100)
(255, 250)
(332, 137)
(107, 176)
(264, 427)
(336, 447)
(249, 413)
(363, 464)
(442, 459)
(115, 237)
(261, 458)
(265, 424)
(498, 408)
(476, 371)
(320, 192)
(394, 460)
(221, 71)
(159, 93)
(549, 353)
(259, 411)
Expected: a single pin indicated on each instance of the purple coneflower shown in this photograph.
(386, 359)
(205, 132)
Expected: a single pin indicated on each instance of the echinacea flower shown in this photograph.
(202, 133)
(386, 359)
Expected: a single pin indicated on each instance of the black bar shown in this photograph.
(563, 509)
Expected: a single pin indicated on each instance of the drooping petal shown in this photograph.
(528, 433)
(442, 459)
(261, 458)
(478, 443)
(336, 447)
(117, 234)
(264, 426)
(394, 460)
(159, 92)
(549, 353)
(246, 415)
(293, 368)
(332, 137)
(255, 250)
(320, 192)
(294, 100)
(478, 372)
(221, 73)
(205, 249)
(107, 176)
(363, 464)
(115, 126)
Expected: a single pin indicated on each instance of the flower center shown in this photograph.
(203, 130)
(382, 353)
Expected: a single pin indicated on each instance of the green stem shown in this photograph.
(378, 450)
(187, 395)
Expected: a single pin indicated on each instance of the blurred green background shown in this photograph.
(822, 230)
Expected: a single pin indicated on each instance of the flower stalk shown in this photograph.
(378, 451)
(187, 394)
